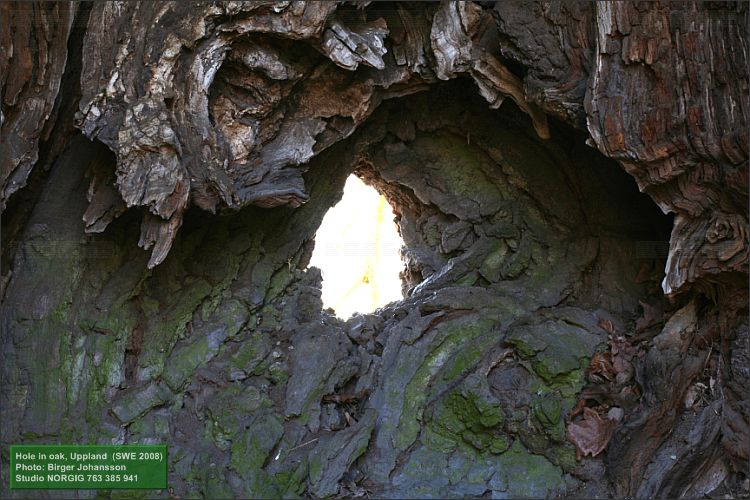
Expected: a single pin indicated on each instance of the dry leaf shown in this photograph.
(624, 370)
(601, 365)
(607, 326)
(590, 435)
(622, 354)
(578, 408)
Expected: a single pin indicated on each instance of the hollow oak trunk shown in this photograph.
(165, 166)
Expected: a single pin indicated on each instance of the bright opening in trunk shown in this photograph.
(357, 248)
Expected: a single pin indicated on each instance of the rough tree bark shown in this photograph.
(554, 337)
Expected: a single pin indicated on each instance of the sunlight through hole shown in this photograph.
(357, 249)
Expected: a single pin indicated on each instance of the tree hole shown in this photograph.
(358, 250)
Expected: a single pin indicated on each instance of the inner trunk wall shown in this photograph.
(223, 350)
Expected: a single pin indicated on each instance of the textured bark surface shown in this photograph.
(548, 312)
(33, 45)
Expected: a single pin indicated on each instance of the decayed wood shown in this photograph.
(658, 98)
(222, 118)
(184, 135)
(33, 54)
(667, 96)
(663, 103)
